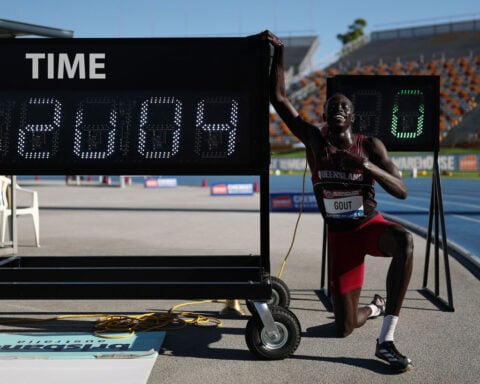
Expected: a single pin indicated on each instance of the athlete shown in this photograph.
(345, 167)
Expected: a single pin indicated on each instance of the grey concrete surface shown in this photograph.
(95, 220)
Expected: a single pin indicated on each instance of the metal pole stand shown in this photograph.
(436, 212)
(324, 293)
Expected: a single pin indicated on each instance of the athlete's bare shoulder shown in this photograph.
(374, 148)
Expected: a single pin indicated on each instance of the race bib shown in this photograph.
(343, 204)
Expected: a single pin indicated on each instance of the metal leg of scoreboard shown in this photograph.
(436, 216)
(324, 293)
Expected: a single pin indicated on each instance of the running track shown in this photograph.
(461, 206)
(460, 197)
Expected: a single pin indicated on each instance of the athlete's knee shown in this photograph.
(344, 329)
(345, 308)
(344, 323)
(403, 244)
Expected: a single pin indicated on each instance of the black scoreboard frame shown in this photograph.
(194, 68)
(133, 106)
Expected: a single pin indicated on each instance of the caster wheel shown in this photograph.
(267, 348)
(280, 295)
(251, 307)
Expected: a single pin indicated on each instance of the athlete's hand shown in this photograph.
(271, 37)
(349, 161)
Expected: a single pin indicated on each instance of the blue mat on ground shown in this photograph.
(79, 345)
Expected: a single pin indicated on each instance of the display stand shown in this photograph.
(437, 220)
(10, 247)
(324, 293)
(143, 277)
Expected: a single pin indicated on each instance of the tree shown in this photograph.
(354, 31)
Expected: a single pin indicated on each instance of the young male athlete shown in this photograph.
(344, 168)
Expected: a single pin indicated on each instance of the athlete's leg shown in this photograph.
(397, 243)
(347, 264)
(348, 315)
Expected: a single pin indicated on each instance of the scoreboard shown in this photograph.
(134, 106)
(402, 111)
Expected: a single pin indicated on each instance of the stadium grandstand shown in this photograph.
(300, 51)
(450, 50)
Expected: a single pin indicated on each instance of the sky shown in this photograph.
(215, 18)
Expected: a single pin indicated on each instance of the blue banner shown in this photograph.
(223, 189)
(292, 202)
(160, 182)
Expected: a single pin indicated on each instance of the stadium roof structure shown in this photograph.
(299, 51)
(12, 29)
(446, 40)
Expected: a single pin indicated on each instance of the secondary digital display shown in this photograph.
(134, 106)
(402, 111)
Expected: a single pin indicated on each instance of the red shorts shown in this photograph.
(347, 250)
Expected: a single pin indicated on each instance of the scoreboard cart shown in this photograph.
(176, 106)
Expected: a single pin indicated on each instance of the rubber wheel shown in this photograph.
(266, 348)
(280, 293)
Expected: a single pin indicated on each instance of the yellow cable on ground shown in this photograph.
(296, 224)
(107, 325)
(167, 321)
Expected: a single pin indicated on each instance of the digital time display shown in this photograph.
(134, 106)
(402, 111)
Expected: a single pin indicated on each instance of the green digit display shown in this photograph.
(408, 114)
(402, 111)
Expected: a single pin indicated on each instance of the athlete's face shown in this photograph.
(339, 112)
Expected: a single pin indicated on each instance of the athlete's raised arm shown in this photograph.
(278, 95)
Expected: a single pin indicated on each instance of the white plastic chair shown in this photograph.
(6, 210)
